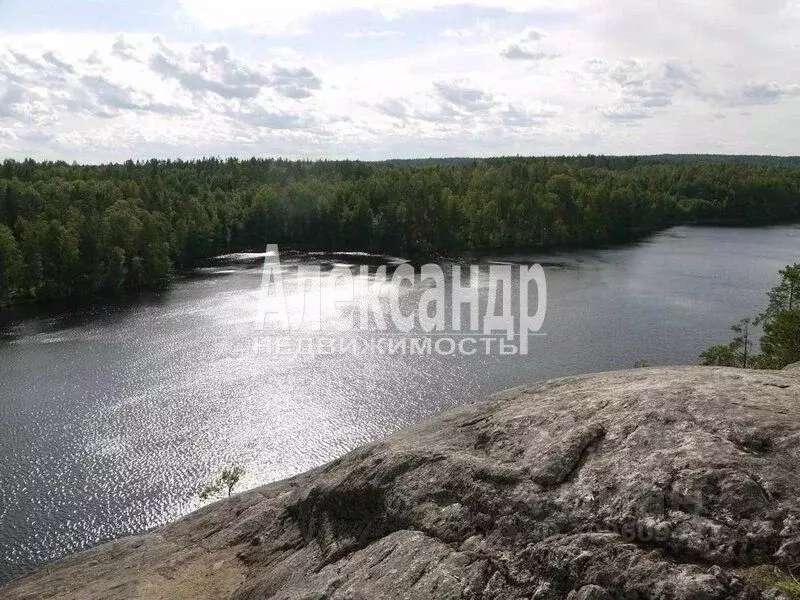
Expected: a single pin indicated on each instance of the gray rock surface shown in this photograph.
(666, 483)
(793, 367)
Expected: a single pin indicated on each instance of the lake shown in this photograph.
(112, 417)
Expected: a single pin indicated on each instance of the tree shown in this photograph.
(720, 356)
(116, 269)
(60, 260)
(780, 343)
(737, 353)
(10, 264)
(742, 342)
(785, 295)
(231, 476)
(30, 236)
(227, 480)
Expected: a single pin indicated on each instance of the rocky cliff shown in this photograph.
(670, 483)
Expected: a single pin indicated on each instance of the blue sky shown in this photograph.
(103, 80)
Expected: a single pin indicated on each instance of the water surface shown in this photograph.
(111, 418)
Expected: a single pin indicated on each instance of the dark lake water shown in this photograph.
(111, 418)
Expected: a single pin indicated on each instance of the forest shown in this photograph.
(70, 230)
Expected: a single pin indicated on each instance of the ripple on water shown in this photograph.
(113, 418)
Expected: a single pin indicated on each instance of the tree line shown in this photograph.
(70, 230)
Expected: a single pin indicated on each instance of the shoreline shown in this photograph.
(83, 302)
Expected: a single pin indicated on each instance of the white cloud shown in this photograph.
(642, 87)
(147, 89)
(625, 112)
(764, 92)
(616, 76)
(463, 96)
(528, 46)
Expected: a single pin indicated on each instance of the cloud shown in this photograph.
(294, 82)
(532, 35)
(625, 113)
(518, 52)
(214, 70)
(596, 66)
(260, 116)
(526, 47)
(42, 91)
(381, 77)
(462, 96)
(92, 95)
(50, 70)
(51, 58)
(456, 104)
(177, 82)
(393, 107)
(421, 110)
(115, 97)
(122, 49)
(12, 95)
(517, 116)
(198, 79)
(26, 61)
(760, 93)
(442, 114)
(642, 86)
(37, 136)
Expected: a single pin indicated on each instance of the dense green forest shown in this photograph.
(69, 230)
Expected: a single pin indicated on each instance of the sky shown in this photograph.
(108, 80)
